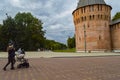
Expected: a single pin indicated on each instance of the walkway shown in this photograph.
(60, 54)
(80, 68)
(65, 68)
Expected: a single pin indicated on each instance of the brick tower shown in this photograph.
(92, 19)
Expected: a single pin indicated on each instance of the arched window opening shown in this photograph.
(93, 17)
(85, 18)
(82, 18)
(81, 10)
(90, 17)
(88, 25)
(99, 37)
(101, 7)
(98, 8)
(101, 16)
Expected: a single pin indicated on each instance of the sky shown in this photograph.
(56, 15)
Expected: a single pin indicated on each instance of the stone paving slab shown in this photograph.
(83, 68)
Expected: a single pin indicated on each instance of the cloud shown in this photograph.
(25, 4)
(16, 3)
(55, 14)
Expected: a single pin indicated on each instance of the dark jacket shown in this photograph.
(11, 53)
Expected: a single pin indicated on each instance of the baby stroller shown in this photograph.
(23, 62)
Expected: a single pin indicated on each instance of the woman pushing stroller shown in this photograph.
(11, 56)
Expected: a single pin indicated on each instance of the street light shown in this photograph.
(7, 15)
(10, 40)
(84, 38)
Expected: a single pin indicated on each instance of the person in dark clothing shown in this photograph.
(11, 57)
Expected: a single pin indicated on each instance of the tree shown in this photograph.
(116, 16)
(1, 39)
(71, 42)
(8, 31)
(30, 31)
(53, 45)
(24, 30)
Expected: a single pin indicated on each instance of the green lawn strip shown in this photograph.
(66, 50)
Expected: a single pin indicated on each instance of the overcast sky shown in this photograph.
(55, 14)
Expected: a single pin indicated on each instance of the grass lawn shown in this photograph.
(66, 50)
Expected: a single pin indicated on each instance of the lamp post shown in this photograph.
(85, 38)
(6, 14)
(10, 40)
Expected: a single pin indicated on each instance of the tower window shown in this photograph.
(101, 16)
(93, 16)
(99, 37)
(101, 7)
(81, 10)
(98, 8)
(90, 17)
(88, 25)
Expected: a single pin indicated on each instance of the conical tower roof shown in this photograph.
(82, 3)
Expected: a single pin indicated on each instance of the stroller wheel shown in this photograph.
(19, 66)
(27, 65)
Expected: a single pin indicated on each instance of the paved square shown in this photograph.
(83, 68)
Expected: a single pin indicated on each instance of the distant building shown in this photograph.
(94, 30)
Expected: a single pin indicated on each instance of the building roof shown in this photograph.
(82, 3)
(115, 22)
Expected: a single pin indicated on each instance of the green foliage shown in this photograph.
(53, 45)
(30, 31)
(71, 42)
(116, 16)
(25, 31)
(1, 40)
(8, 31)
(66, 50)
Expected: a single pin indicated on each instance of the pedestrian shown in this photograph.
(11, 57)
